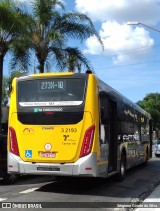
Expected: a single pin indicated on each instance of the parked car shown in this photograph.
(157, 148)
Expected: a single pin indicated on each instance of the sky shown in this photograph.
(130, 62)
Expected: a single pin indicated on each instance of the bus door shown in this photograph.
(112, 159)
(108, 133)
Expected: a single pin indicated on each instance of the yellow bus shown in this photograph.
(73, 124)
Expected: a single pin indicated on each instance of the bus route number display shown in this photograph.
(55, 85)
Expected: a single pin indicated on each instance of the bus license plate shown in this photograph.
(47, 168)
(48, 154)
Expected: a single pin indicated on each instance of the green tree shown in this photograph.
(11, 27)
(75, 61)
(151, 103)
(49, 31)
(5, 89)
(7, 81)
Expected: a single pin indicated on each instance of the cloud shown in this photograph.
(124, 43)
(121, 10)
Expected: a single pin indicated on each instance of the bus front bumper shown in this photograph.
(86, 166)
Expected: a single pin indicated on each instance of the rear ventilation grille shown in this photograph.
(57, 118)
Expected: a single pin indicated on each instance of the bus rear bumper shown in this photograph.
(86, 166)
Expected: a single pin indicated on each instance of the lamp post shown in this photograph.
(139, 23)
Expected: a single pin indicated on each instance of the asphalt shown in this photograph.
(152, 202)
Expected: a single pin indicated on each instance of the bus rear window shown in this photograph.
(51, 92)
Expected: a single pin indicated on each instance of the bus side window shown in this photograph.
(104, 121)
(103, 108)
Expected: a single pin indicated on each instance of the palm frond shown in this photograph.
(78, 25)
(43, 10)
(58, 55)
(20, 55)
(76, 54)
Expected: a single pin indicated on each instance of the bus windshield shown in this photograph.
(51, 92)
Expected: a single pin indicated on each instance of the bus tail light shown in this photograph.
(13, 141)
(87, 141)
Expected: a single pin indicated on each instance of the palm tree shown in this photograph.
(5, 91)
(11, 26)
(49, 31)
(75, 60)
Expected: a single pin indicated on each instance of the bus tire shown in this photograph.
(122, 170)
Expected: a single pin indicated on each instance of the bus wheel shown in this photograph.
(122, 171)
(9, 178)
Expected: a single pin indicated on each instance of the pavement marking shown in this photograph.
(29, 190)
(3, 199)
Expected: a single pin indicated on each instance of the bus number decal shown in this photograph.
(68, 130)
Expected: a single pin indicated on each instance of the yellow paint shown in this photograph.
(67, 145)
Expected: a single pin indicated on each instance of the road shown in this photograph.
(138, 184)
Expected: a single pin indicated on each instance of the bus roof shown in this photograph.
(52, 74)
(111, 91)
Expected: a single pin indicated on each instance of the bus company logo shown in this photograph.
(37, 110)
(48, 146)
(52, 109)
(65, 137)
(47, 109)
(28, 131)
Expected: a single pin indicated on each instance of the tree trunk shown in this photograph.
(79, 67)
(1, 80)
(41, 68)
(70, 70)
